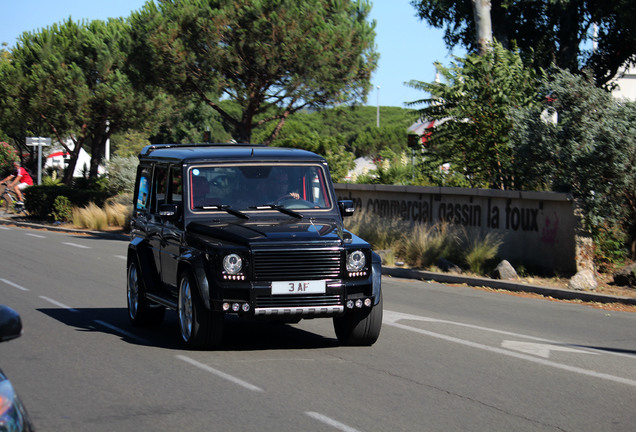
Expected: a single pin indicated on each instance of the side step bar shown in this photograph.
(162, 301)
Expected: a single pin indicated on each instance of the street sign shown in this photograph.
(39, 142)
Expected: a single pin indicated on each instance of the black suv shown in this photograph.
(248, 230)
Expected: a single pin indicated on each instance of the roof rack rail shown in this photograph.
(150, 148)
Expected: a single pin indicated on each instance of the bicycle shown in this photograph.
(9, 201)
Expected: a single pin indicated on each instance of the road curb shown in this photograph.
(558, 293)
(101, 234)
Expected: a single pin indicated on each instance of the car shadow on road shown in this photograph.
(239, 335)
(607, 349)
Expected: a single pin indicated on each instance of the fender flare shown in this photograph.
(376, 277)
(197, 264)
(140, 253)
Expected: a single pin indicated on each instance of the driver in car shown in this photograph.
(278, 188)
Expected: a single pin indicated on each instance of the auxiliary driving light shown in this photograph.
(236, 307)
(359, 303)
(349, 304)
(245, 307)
(226, 306)
(367, 302)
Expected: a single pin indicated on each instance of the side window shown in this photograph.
(176, 185)
(143, 193)
(315, 187)
(159, 187)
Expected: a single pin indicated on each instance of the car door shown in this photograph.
(172, 230)
(154, 224)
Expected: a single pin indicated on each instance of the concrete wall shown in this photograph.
(538, 229)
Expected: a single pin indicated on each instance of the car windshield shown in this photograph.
(258, 187)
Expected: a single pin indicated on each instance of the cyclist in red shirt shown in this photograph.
(18, 181)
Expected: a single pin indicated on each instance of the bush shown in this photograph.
(62, 209)
(609, 247)
(8, 156)
(39, 200)
(121, 174)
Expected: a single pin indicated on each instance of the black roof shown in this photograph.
(225, 153)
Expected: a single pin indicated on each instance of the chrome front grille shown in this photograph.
(297, 264)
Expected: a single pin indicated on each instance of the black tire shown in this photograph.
(199, 326)
(141, 312)
(359, 327)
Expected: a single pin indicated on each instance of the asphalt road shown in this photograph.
(448, 358)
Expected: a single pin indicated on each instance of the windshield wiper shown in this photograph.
(279, 208)
(225, 208)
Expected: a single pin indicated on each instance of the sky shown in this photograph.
(408, 47)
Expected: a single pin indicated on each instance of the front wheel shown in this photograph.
(200, 327)
(140, 311)
(359, 327)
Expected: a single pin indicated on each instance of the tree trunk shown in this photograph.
(483, 24)
(70, 169)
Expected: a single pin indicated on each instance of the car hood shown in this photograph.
(261, 232)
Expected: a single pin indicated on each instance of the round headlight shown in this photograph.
(356, 261)
(232, 263)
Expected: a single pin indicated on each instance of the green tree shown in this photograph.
(340, 160)
(371, 140)
(67, 81)
(472, 108)
(271, 57)
(189, 120)
(549, 31)
(581, 141)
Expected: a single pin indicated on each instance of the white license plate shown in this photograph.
(299, 287)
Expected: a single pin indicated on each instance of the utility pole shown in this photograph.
(377, 116)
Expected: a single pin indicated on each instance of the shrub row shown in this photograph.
(40, 200)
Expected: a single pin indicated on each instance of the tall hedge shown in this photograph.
(39, 199)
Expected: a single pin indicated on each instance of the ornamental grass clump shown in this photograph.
(380, 233)
(480, 251)
(90, 217)
(117, 214)
(422, 246)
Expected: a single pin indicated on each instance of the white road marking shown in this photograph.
(120, 256)
(330, 422)
(541, 350)
(76, 245)
(220, 374)
(35, 235)
(56, 303)
(14, 285)
(5, 228)
(391, 318)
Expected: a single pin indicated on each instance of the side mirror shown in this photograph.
(169, 211)
(346, 208)
(10, 324)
